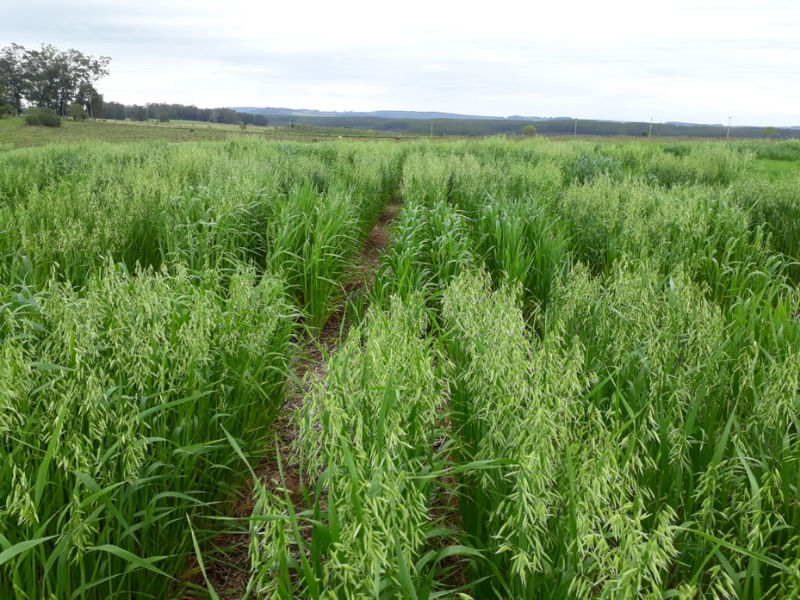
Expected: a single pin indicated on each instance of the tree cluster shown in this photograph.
(42, 116)
(51, 78)
(561, 127)
(181, 112)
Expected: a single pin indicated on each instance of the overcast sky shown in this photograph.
(682, 60)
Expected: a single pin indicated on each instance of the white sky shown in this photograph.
(683, 60)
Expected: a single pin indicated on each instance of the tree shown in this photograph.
(529, 130)
(163, 114)
(42, 116)
(43, 77)
(139, 113)
(51, 78)
(89, 97)
(227, 116)
(12, 75)
(76, 112)
(770, 132)
(91, 100)
(6, 110)
(644, 134)
(114, 110)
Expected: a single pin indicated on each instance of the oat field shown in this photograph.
(480, 368)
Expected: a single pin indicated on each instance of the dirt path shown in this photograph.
(230, 571)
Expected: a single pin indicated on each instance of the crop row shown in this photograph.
(151, 300)
(612, 408)
(576, 374)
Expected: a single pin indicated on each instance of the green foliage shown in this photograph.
(139, 113)
(714, 164)
(586, 167)
(46, 117)
(51, 77)
(784, 150)
(157, 368)
(118, 407)
(774, 205)
(312, 240)
(606, 220)
(115, 111)
(76, 112)
(513, 127)
(575, 375)
(529, 130)
(367, 435)
(501, 411)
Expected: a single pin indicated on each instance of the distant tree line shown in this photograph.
(50, 78)
(559, 127)
(180, 112)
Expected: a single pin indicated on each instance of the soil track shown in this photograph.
(229, 572)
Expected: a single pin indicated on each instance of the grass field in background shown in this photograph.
(14, 133)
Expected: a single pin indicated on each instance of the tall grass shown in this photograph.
(116, 401)
(519, 242)
(638, 442)
(430, 245)
(504, 406)
(775, 206)
(578, 376)
(66, 210)
(313, 237)
(687, 327)
(367, 442)
(685, 381)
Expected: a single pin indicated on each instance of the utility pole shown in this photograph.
(576, 127)
(651, 128)
(729, 127)
(431, 128)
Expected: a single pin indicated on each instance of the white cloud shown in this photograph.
(686, 60)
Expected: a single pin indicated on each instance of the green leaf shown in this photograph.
(136, 562)
(41, 476)
(21, 547)
(200, 562)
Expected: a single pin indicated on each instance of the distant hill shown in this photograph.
(433, 115)
(453, 124)
(682, 124)
(484, 127)
(383, 114)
